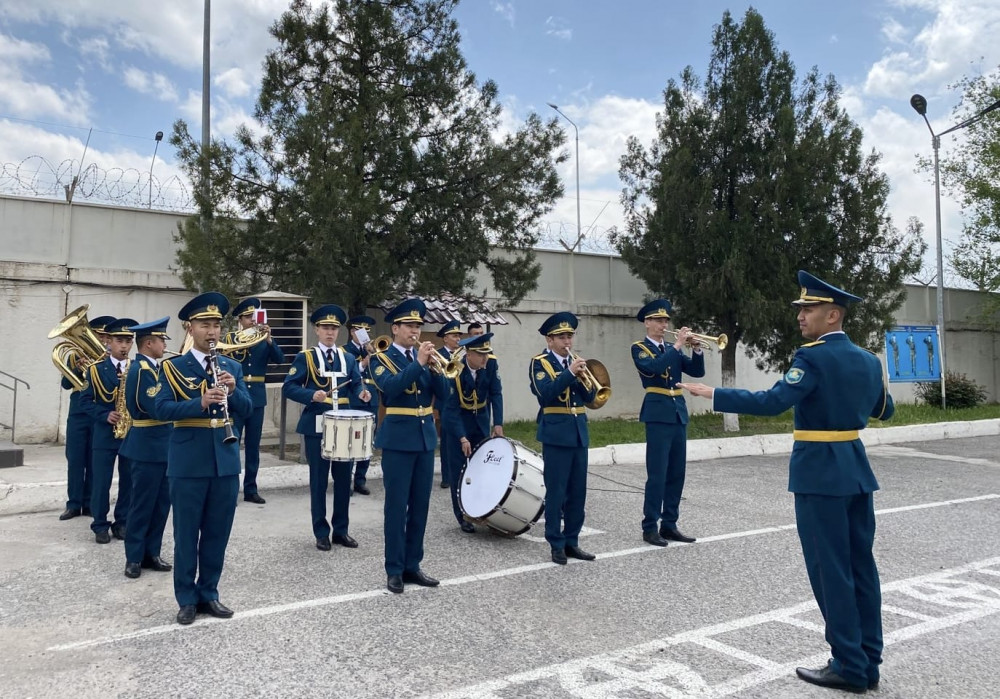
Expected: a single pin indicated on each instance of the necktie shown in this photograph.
(118, 369)
(659, 348)
(566, 363)
(409, 355)
(329, 358)
(208, 365)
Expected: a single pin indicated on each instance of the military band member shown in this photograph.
(146, 446)
(254, 363)
(835, 387)
(562, 430)
(306, 384)
(475, 394)
(360, 352)
(451, 460)
(203, 471)
(407, 439)
(99, 399)
(665, 416)
(80, 436)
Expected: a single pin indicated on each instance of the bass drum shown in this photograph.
(502, 486)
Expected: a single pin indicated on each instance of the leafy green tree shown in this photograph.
(754, 175)
(379, 166)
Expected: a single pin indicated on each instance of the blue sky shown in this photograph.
(128, 70)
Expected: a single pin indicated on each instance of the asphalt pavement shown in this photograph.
(730, 615)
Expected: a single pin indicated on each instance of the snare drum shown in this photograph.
(347, 435)
(502, 486)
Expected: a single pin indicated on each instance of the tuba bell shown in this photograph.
(79, 343)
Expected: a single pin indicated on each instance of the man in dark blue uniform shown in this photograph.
(835, 387)
(80, 435)
(203, 470)
(106, 380)
(665, 415)
(307, 384)
(407, 439)
(360, 353)
(145, 446)
(254, 363)
(562, 430)
(475, 393)
(451, 459)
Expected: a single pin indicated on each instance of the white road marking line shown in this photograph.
(908, 452)
(808, 625)
(585, 531)
(893, 609)
(478, 577)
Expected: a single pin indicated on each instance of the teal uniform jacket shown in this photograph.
(659, 374)
(196, 449)
(305, 377)
(98, 400)
(254, 363)
(149, 438)
(562, 415)
(835, 386)
(412, 388)
(472, 400)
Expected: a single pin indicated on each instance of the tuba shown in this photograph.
(79, 343)
(595, 377)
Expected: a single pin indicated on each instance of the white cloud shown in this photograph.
(558, 27)
(24, 98)
(19, 51)
(234, 82)
(505, 10)
(155, 84)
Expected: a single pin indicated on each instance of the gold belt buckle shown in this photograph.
(573, 410)
(213, 422)
(420, 411)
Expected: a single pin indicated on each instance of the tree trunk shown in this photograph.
(730, 421)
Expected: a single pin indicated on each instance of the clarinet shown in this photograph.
(227, 423)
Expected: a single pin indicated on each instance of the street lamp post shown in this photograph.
(579, 230)
(919, 104)
(158, 137)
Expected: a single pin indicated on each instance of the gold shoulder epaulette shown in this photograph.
(143, 364)
(540, 356)
(813, 344)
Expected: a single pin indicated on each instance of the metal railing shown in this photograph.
(13, 419)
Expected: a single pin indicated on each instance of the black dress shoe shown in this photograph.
(675, 535)
(577, 552)
(215, 608)
(102, 537)
(133, 570)
(254, 498)
(419, 577)
(444, 485)
(363, 489)
(86, 512)
(825, 677)
(651, 537)
(468, 527)
(323, 544)
(345, 540)
(559, 556)
(70, 513)
(395, 584)
(187, 614)
(118, 532)
(156, 563)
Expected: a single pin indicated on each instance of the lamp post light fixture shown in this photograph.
(919, 104)
(158, 137)
(579, 229)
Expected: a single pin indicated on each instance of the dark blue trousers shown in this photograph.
(249, 431)
(320, 470)
(147, 514)
(837, 534)
(456, 471)
(203, 518)
(446, 447)
(565, 494)
(408, 477)
(103, 461)
(666, 463)
(79, 473)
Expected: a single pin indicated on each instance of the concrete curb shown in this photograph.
(50, 496)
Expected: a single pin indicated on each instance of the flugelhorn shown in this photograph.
(594, 377)
(79, 343)
(449, 368)
(703, 341)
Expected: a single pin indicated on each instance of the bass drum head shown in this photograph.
(487, 477)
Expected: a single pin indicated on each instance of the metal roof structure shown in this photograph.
(448, 307)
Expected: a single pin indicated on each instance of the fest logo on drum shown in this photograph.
(491, 458)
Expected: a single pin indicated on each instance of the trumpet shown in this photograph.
(703, 341)
(594, 377)
(449, 368)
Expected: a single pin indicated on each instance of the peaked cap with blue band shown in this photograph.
(100, 322)
(210, 305)
(660, 308)
(559, 324)
(121, 327)
(366, 322)
(409, 311)
(477, 343)
(815, 291)
(156, 328)
(246, 306)
(330, 314)
(449, 328)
